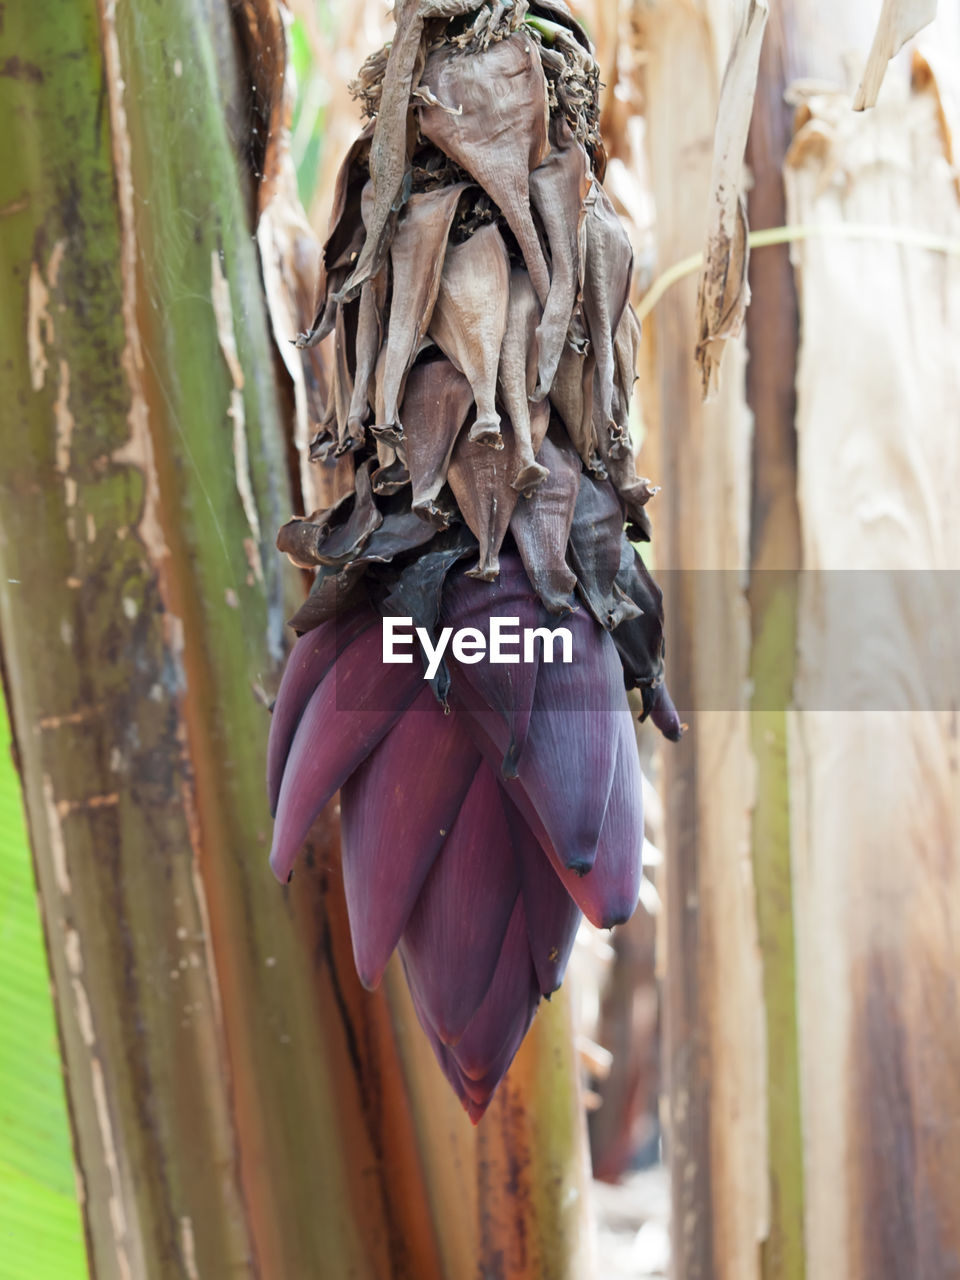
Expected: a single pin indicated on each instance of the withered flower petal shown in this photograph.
(470, 318)
(572, 398)
(373, 298)
(517, 376)
(416, 260)
(558, 189)
(435, 406)
(541, 525)
(345, 237)
(500, 133)
(607, 265)
(596, 544)
(336, 536)
(481, 480)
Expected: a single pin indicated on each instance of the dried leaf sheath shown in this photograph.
(477, 831)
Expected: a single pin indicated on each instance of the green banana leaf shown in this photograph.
(41, 1236)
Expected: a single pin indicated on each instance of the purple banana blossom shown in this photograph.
(484, 363)
(474, 834)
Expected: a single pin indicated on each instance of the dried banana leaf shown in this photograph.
(435, 407)
(470, 318)
(517, 375)
(417, 261)
(607, 265)
(558, 189)
(499, 131)
(541, 524)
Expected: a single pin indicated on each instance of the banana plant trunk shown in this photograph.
(240, 1106)
(812, 807)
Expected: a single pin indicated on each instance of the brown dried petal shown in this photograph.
(435, 407)
(620, 463)
(326, 537)
(518, 375)
(541, 524)
(470, 318)
(595, 547)
(558, 189)
(416, 259)
(345, 237)
(626, 347)
(388, 149)
(373, 297)
(391, 475)
(639, 639)
(607, 264)
(500, 134)
(342, 382)
(572, 398)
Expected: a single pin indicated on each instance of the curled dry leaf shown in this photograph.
(326, 537)
(345, 237)
(518, 375)
(416, 260)
(558, 189)
(501, 134)
(481, 480)
(470, 318)
(724, 292)
(899, 21)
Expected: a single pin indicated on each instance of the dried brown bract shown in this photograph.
(493, 121)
